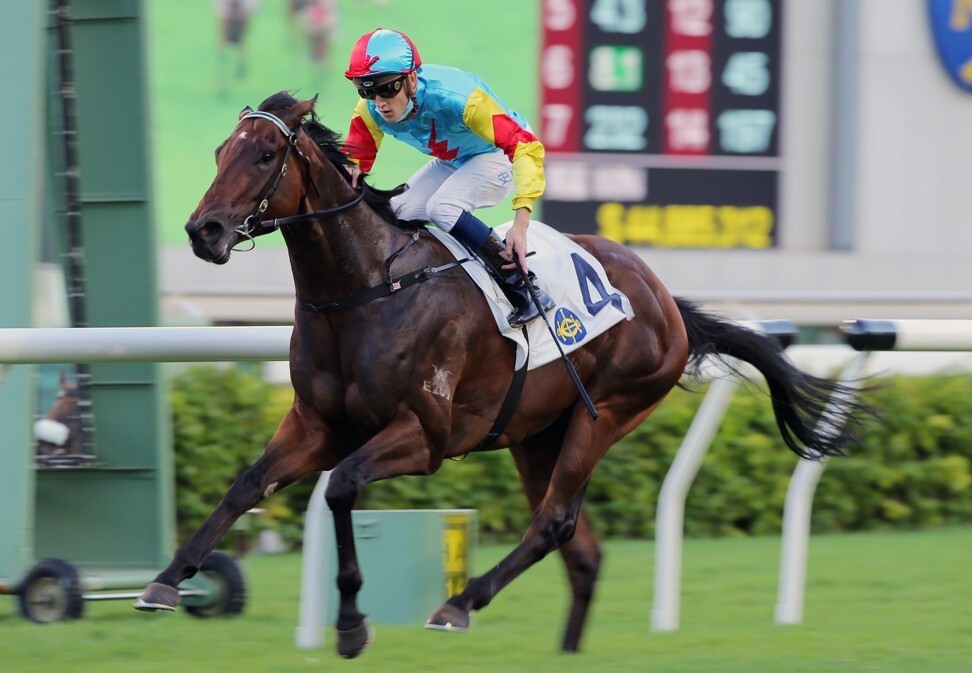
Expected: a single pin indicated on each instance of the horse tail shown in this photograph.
(816, 416)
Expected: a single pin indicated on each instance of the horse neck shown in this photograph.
(336, 255)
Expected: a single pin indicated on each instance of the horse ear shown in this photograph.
(306, 106)
(245, 111)
(293, 115)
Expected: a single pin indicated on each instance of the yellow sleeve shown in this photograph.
(487, 119)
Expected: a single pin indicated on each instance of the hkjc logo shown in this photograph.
(570, 329)
(951, 22)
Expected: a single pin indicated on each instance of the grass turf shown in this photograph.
(893, 602)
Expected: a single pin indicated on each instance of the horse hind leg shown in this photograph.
(581, 554)
(555, 486)
(582, 557)
(550, 531)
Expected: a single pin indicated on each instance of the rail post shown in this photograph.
(670, 515)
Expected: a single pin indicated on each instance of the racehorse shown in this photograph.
(361, 350)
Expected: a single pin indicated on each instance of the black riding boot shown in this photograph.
(512, 283)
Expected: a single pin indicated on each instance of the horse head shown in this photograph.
(253, 179)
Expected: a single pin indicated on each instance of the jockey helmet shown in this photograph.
(382, 52)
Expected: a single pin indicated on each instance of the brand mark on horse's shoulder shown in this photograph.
(439, 385)
(242, 135)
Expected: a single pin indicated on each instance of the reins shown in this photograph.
(253, 226)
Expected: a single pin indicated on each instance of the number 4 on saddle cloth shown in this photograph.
(587, 303)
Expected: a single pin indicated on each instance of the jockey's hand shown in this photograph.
(355, 172)
(516, 240)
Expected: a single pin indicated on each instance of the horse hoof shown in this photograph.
(449, 618)
(157, 597)
(353, 642)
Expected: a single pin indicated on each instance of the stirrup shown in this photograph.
(524, 309)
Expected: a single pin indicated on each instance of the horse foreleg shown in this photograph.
(354, 632)
(293, 452)
(401, 448)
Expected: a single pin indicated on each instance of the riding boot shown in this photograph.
(483, 241)
(513, 284)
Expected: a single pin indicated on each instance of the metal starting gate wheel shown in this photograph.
(51, 592)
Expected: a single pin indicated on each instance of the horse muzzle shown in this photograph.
(209, 239)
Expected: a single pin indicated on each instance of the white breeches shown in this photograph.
(439, 192)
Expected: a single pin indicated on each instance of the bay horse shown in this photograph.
(360, 352)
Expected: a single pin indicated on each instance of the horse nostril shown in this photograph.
(210, 230)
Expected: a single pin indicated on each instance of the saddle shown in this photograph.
(587, 304)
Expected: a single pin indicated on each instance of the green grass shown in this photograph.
(190, 115)
(876, 602)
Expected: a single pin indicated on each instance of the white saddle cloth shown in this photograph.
(587, 304)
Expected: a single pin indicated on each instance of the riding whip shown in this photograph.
(567, 363)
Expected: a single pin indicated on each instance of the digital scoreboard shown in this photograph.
(661, 120)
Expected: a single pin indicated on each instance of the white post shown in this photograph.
(796, 536)
(670, 516)
(315, 580)
(796, 517)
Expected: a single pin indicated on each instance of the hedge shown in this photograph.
(913, 468)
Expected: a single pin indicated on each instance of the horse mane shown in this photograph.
(330, 144)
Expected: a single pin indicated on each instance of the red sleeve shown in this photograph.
(360, 145)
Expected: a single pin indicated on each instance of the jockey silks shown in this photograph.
(458, 117)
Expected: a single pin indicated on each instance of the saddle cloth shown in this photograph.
(587, 304)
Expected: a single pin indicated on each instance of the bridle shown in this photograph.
(253, 226)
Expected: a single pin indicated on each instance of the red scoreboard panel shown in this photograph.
(661, 120)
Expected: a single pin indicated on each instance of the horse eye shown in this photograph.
(267, 157)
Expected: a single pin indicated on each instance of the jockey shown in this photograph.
(482, 150)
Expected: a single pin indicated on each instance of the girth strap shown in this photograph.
(377, 291)
(510, 403)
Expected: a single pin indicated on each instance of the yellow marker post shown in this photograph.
(455, 561)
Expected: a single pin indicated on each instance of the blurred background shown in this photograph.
(198, 94)
(799, 160)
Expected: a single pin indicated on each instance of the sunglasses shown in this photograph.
(389, 90)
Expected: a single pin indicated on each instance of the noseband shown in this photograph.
(253, 226)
